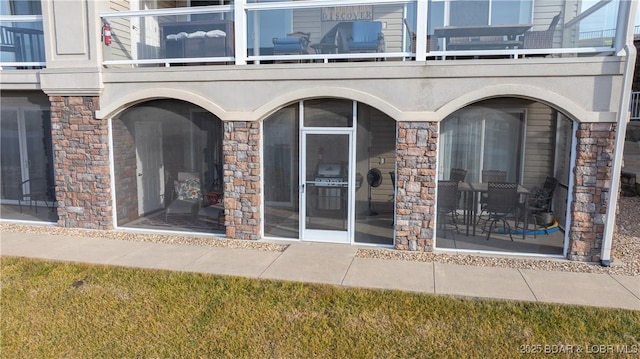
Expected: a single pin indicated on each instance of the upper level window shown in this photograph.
(20, 7)
(479, 12)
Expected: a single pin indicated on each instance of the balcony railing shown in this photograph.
(635, 106)
(314, 30)
(252, 31)
(21, 42)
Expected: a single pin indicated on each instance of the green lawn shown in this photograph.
(55, 310)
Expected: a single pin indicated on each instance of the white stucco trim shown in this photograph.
(553, 99)
(131, 99)
(544, 95)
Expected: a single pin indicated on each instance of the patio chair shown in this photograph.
(39, 190)
(457, 174)
(489, 176)
(502, 201)
(447, 204)
(541, 39)
(188, 195)
(366, 36)
(494, 176)
(539, 203)
(295, 43)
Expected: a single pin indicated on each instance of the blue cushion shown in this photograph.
(366, 31)
(286, 40)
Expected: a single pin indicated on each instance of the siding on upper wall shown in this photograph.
(308, 20)
(539, 144)
(120, 48)
(393, 26)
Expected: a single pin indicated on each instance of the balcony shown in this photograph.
(253, 32)
(21, 42)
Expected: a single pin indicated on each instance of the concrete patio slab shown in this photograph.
(600, 290)
(390, 274)
(312, 262)
(486, 282)
(629, 282)
(227, 261)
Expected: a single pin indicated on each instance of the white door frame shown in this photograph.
(318, 235)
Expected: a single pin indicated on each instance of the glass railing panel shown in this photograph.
(594, 25)
(521, 27)
(330, 30)
(21, 44)
(170, 36)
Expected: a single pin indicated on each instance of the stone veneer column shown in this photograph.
(594, 154)
(241, 148)
(416, 152)
(81, 163)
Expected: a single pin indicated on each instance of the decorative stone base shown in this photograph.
(416, 153)
(81, 163)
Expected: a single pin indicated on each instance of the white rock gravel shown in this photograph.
(625, 254)
(145, 237)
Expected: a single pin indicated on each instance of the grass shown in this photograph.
(55, 309)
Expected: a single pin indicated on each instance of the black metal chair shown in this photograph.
(502, 202)
(489, 176)
(38, 189)
(457, 174)
(539, 202)
(494, 176)
(447, 204)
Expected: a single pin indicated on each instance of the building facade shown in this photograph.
(336, 121)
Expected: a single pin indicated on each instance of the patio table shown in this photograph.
(474, 34)
(471, 195)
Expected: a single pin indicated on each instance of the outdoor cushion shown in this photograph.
(187, 189)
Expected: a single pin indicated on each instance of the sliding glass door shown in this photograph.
(477, 139)
(26, 153)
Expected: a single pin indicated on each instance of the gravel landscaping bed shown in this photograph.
(194, 240)
(625, 254)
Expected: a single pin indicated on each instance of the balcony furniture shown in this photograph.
(296, 43)
(366, 36)
(334, 41)
(39, 190)
(431, 44)
(538, 205)
(541, 39)
(195, 39)
(502, 201)
(447, 205)
(187, 195)
(484, 37)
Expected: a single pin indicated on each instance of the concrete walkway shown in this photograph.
(337, 265)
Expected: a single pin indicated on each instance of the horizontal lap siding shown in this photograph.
(391, 17)
(120, 47)
(308, 20)
(539, 150)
